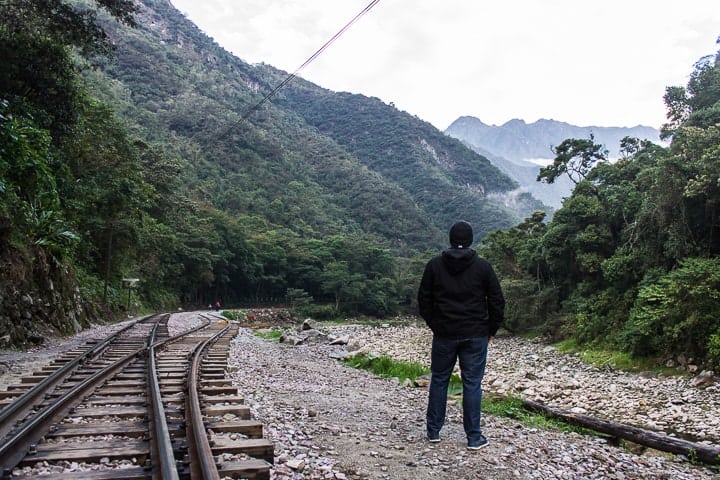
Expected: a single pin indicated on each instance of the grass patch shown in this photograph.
(614, 359)
(512, 407)
(508, 407)
(387, 367)
(269, 334)
(235, 315)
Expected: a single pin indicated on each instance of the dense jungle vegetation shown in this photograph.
(632, 259)
(127, 149)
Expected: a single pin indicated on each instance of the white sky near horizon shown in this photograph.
(604, 63)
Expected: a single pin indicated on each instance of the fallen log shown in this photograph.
(709, 454)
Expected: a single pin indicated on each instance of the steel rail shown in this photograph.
(25, 402)
(15, 448)
(202, 462)
(161, 441)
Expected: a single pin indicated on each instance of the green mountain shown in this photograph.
(362, 164)
(160, 163)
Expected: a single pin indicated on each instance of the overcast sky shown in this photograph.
(603, 63)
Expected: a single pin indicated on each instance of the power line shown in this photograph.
(289, 78)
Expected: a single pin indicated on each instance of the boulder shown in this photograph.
(344, 340)
(704, 379)
(290, 339)
(423, 381)
(314, 336)
(309, 324)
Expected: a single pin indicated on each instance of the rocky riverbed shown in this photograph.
(682, 404)
(329, 421)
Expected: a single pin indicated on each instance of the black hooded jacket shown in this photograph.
(460, 296)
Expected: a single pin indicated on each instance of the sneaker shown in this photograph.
(483, 442)
(433, 437)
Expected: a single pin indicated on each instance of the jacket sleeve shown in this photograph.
(425, 296)
(495, 303)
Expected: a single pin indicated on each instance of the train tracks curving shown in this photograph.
(139, 404)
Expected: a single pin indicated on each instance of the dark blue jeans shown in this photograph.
(472, 353)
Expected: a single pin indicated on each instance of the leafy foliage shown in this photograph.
(30, 202)
(678, 312)
(68, 23)
(630, 261)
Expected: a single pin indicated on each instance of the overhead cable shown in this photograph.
(289, 78)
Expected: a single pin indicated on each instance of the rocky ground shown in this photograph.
(684, 404)
(329, 421)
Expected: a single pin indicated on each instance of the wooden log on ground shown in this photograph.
(709, 454)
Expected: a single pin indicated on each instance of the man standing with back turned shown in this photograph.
(461, 301)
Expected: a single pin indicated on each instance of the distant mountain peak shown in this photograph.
(518, 140)
(514, 122)
(517, 147)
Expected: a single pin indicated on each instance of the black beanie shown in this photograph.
(461, 235)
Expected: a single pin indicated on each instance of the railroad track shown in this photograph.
(139, 404)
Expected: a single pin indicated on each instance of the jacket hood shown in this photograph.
(457, 260)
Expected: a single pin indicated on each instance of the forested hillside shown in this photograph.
(125, 154)
(632, 259)
(443, 177)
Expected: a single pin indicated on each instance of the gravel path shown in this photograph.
(329, 421)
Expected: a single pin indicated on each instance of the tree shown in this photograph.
(37, 66)
(30, 210)
(519, 259)
(105, 192)
(698, 104)
(678, 313)
(575, 158)
(68, 23)
(337, 280)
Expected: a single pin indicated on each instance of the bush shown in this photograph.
(520, 309)
(678, 313)
(714, 351)
(601, 315)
